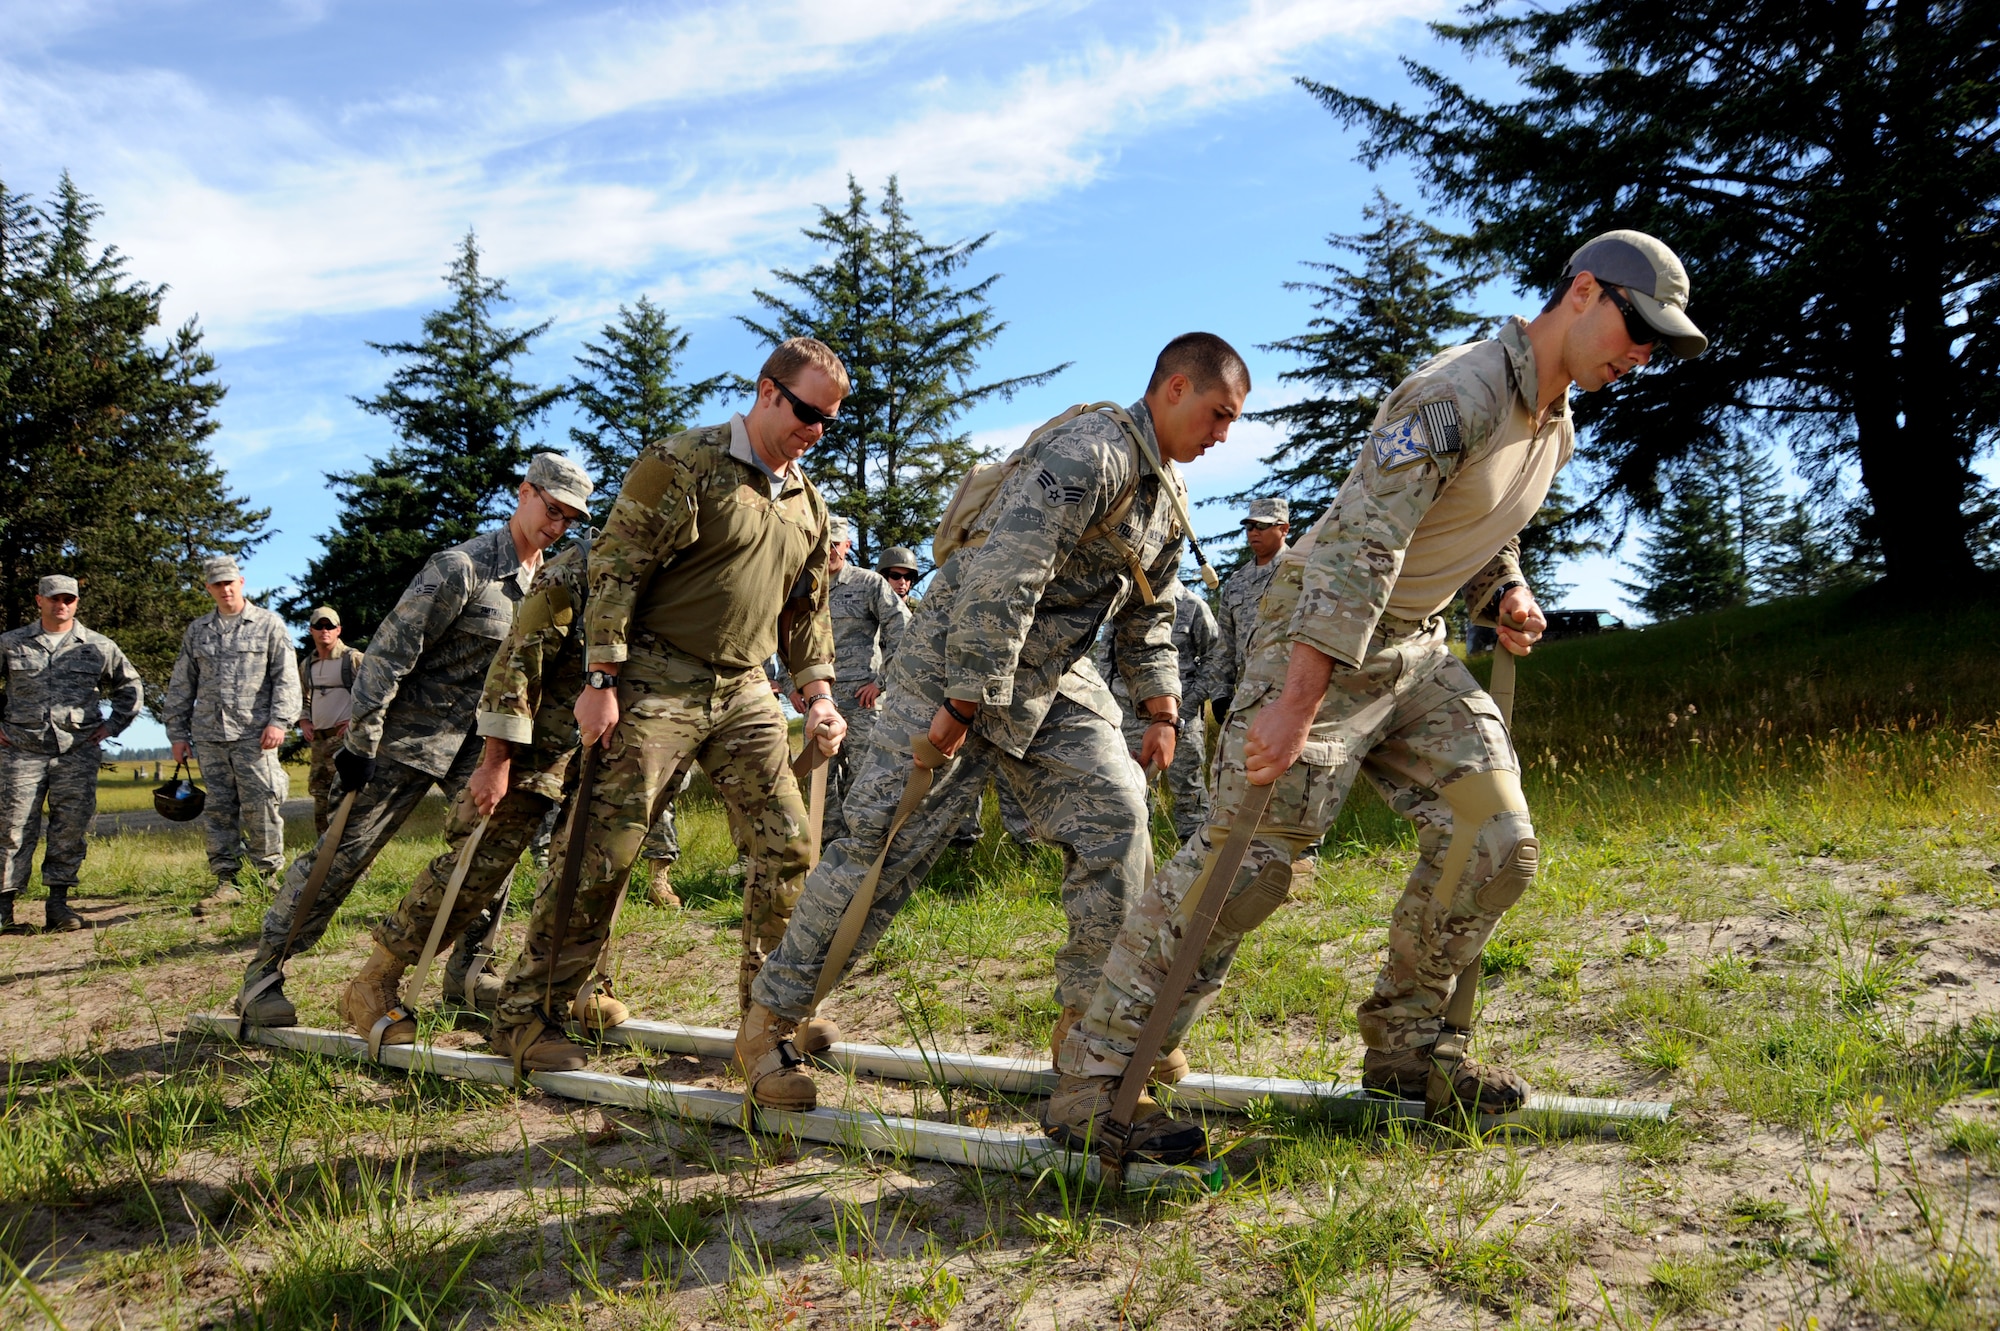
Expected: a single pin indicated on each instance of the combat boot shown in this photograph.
(372, 994)
(485, 991)
(9, 926)
(1168, 1068)
(600, 1011)
(225, 895)
(1406, 1073)
(662, 893)
(815, 1036)
(1079, 1114)
(770, 1063)
(57, 917)
(537, 1046)
(262, 1001)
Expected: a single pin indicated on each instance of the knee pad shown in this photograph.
(1488, 811)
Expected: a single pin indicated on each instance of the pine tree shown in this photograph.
(887, 301)
(1829, 173)
(630, 396)
(1756, 505)
(104, 469)
(1374, 327)
(1689, 562)
(461, 415)
(1804, 554)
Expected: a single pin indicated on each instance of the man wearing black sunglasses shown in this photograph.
(713, 558)
(326, 679)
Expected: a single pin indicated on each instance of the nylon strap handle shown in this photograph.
(308, 898)
(926, 760)
(572, 869)
(1168, 483)
(482, 955)
(1211, 890)
(451, 890)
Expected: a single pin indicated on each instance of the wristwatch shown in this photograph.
(600, 679)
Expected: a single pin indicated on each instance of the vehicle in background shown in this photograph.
(1562, 624)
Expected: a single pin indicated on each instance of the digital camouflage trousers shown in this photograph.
(67, 783)
(246, 788)
(1413, 720)
(673, 709)
(1076, 785)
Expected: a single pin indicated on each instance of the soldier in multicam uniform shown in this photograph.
(56, 673)
(326, 678)
(1199, 650)
(714, 556)
(997, 669)
(233, 695)
(414, 700)
(527, 727)
(1236, 604)
(1349, 673)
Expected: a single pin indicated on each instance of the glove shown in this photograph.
(351, 771)
(1220, 708)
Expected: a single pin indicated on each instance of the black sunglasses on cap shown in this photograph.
(1636, 327)
(807, 413)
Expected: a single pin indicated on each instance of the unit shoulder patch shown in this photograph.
(1429, 433)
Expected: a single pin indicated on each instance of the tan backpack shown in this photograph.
(959, 527)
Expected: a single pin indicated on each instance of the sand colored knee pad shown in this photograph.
(1258, 900)
(1478, 802)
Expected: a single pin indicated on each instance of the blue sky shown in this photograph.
(300, 173)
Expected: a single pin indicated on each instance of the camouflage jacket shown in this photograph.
(55, 687)
(1198, 650)
(1236, 620)
(419, 683)
(1458, 461)
(232, 679)
(531, 687)
(698, 556)
(1011, 623)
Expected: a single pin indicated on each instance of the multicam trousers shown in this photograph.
(246, 784)
(1413, 720)
(1186, 776)
(68, 784)
(509, 829)
(379, 812)
(319, 778)
(1076, 785)
(672, 707)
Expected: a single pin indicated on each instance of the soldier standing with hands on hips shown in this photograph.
(57, 673)
(233, 695)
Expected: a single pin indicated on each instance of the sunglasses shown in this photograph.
(324, 624)
(556, 514)
(807, 413)
(65, 597)
(1258, 526)
(899, 575)
(1636, 327)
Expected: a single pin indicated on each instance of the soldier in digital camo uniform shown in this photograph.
(233, 695)
(1264, 532)
(56, 673)
(527, 728)
(414, 699)
(1349, 674)
(713, 557)
(997, 670)
(1199, 650)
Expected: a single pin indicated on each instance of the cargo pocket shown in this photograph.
(1483, 718)
(1254, 904)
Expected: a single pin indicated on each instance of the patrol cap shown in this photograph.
(898, 556)
(837, 529)
(562, 480)
(56, 584)
(324, 612)
(1270, 510)
(222, 568)
(1654, 278)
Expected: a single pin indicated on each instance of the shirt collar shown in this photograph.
(1521, 361)
(745, 452)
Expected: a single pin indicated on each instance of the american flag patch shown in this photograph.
(1441, 424)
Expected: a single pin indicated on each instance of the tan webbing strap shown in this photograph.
(1502, 691)
(1167, 483)
(1212, 890)
(308, 898)
(482, 955)
(816, 800)
(925, 762)
(451, 890)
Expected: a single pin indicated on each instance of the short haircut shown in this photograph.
(795, 354)
(1205, 359)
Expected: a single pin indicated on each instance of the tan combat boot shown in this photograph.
(1406, 1073)
(600, 1011)
(816, 1035)
(537, 1047)
(1080, 1108)
(661, 893)
(225, 895)
(769, 1062)
(1169, 1068)
(371, 995)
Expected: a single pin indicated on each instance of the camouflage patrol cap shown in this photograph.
(1652, 276)
(1270, 510)
(561, 480)
(222, 568)
(56, 584)
(898, 556)
(837, 529)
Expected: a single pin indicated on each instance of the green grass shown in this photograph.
(1741, 906)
